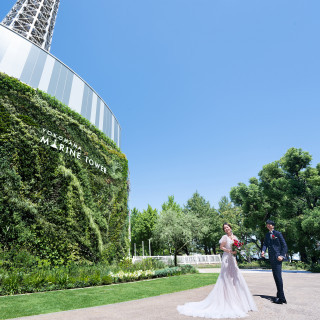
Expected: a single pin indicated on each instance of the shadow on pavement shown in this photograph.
(270, 298)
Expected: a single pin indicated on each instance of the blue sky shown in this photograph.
(206, 91)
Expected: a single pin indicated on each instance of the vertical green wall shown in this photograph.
(63, 183)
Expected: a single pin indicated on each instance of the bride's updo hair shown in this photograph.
(226, 224)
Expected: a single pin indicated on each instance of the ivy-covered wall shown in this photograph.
(63, 183)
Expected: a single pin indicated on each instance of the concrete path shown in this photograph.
(302, 292)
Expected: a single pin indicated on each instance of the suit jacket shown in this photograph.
(276, 246)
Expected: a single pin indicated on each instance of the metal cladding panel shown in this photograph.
(5, 39)
(96, 123)
(89, 105)
(32, 65)
(86, 102)
(107, 122)
(46, 73)
(112, 126)
(61, 83)
(119, 136)
(15, 57)
(38, 69)
(102, 109)
(115, 131)
(54, 79)
(93, 108)
(29, 65)
(75, 101)
(67, 87)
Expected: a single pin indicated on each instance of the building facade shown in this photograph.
(28, 62)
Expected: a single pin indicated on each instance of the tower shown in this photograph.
(33, 19)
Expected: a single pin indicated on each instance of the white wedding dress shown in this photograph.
(230, 297)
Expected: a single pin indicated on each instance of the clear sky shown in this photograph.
(206, 91)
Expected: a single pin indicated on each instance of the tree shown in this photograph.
(142, 226)
(311, 223)
(228, 213)
(207, 229)
(174, 229)
(288, 192)
(171, 204)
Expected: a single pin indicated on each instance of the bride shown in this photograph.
(230, 297)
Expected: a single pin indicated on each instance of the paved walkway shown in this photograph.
(302, 292)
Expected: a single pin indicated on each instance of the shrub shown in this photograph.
(95, 278)
(170, 271)
(126, 263)
(295, 265)
(145, 264)
(11, 283)
(106, 279)
(18, 281)
(315, 268)
(264, 264)
(188, 269)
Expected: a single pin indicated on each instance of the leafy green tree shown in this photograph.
(288, 192)
(142, 226)
(174, 229)
(207, 229)
(311, 223)
(171, 204)
(231, 214)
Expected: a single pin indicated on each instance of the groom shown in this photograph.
(277, 249)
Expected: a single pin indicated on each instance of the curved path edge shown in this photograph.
(302, 291)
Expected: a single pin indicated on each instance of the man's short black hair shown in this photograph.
(270, 222)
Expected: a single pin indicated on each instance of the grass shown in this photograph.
(55, 301)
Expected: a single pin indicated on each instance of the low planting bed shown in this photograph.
(19, 281)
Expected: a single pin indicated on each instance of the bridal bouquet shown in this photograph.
(237, 244)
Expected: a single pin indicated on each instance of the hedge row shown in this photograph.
(19, 282)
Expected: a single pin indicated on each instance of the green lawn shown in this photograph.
(54, 301)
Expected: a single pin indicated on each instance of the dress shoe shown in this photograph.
(279, 301)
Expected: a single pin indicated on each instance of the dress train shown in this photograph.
(230, 297)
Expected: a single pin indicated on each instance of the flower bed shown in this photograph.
(19, 281)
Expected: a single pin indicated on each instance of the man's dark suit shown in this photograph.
(276, 247)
